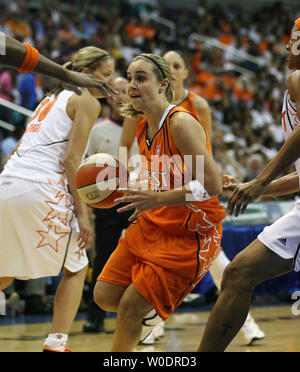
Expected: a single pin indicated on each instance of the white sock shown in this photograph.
(56, 341)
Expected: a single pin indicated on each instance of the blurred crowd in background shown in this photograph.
(236, 61)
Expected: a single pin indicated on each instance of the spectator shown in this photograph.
(27, 88)
(18, 26)
(67, 37)
(255, 164)
(7, 78)
(80, 32)
(90, 25)
(8, 144)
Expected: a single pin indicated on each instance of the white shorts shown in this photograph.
(283, 236)
(38, 230)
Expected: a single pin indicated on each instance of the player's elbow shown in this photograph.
(214, 191)
(215, 187)
(218, 190)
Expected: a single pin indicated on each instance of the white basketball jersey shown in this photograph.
(41, 153)
(290, 121)
(105, 137)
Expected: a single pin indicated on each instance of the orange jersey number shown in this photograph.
(46, 105)
(40, 113)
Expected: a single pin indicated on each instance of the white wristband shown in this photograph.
(198, 191)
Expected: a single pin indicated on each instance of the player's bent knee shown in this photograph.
(103, 299)
(99, 297)
(236, 277)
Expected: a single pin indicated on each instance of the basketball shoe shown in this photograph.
(251, 331)
(157, 332)
(150, 321)
(56, 343)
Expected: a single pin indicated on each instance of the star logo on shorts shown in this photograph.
(80, 253)
(51, 237)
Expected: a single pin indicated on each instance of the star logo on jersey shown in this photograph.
(51, 237)
(200, 221)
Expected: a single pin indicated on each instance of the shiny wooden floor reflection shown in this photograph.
(183, 333)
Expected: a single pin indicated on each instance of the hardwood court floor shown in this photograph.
(183, 333)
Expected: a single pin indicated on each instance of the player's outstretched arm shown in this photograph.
(285, 185)
(25, 59)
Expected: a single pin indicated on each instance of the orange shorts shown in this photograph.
(163, 267)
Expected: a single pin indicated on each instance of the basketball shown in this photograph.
(98, 179)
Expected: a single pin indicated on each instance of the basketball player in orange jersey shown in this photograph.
(198, 106)
(25, 58)
(172, 241)
(185, 98)
(276, 251)
(41, 235)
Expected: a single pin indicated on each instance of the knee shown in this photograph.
(237, 276)
(103, 299)
(99, 297)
